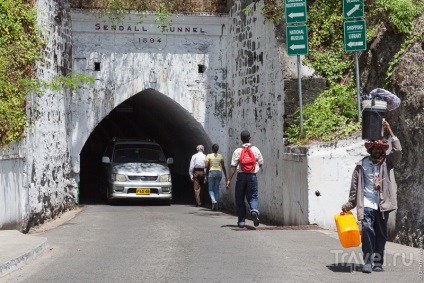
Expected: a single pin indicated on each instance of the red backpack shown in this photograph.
(247, 160)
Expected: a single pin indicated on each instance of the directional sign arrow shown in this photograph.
(296, 15)
(355, 43)
(298, 46)
(353, 10)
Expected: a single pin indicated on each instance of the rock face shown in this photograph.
(408, 81)
(407, 122)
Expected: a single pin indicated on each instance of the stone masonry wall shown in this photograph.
(51, 187)
(408, 81)
(256, 100)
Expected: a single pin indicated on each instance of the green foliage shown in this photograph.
(273, 10)
(331, 116)
(399, 13)
(327, 56)
(20, 48)
(163, 14)
(116, 10)
(247, 10)
(333, 64)
(70, 81)
(411, 38)
(325, 21)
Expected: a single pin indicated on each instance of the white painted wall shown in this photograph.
(330, 170)
(12, 196)
(294, 198)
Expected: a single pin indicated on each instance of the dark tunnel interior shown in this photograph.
(148, 114)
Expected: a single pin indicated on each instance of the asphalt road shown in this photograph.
(182, 243)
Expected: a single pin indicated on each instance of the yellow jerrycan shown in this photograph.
(348, 229)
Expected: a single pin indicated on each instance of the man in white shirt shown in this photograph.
(197, 173)
(247, 182)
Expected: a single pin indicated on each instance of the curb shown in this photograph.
(17, 249)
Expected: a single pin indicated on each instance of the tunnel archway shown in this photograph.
(147, 114)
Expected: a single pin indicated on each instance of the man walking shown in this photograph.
(197, 173)
(246, 161)
(372, 194)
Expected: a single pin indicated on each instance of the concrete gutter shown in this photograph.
(17, 249)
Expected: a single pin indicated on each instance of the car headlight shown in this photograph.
(165, 178)
(119, 177)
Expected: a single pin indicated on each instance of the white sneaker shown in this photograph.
(255, 217)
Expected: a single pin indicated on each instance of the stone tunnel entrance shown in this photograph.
(148, 114)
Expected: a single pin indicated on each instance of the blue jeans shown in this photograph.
(246, 188)
(214, 179)
(374, 235)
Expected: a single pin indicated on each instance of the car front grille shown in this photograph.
(152, 191)
(143, 178)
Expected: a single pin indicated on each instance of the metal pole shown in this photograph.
(299, 79)
(358, 95)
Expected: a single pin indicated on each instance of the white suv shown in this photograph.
(137, 169)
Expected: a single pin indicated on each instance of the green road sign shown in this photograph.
(295, 11)
(353, 9)
(355, 38)
(297, 40)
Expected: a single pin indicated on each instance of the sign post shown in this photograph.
(297, 44)
(297, 39)
(355, 39)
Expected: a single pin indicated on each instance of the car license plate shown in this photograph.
(142, 191)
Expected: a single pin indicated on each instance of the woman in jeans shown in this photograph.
(214, 168)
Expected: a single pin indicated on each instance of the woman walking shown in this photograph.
(214, 168)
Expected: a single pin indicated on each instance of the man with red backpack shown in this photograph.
(246, 161)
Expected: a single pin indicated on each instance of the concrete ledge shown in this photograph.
(16, 249)
(294, 157)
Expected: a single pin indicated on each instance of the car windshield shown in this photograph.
(138, 154)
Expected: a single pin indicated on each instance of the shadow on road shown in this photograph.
(345, 267)
(236, 228)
